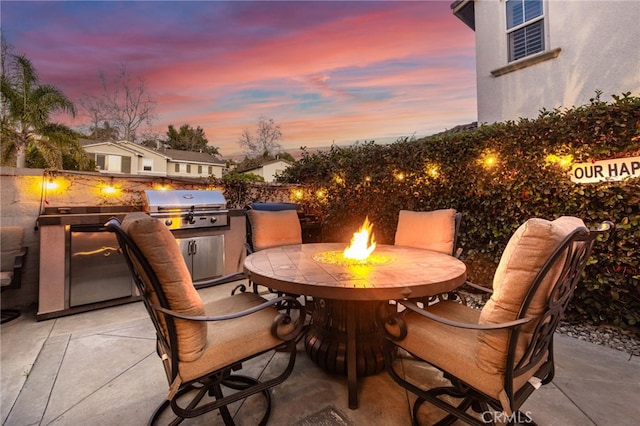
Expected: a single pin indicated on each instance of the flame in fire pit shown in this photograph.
(358, 256)
(363, 242)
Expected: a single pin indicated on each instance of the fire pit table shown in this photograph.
(343, 337)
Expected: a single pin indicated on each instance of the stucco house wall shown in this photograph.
(270, 169)
(149, 162)
(140, 157)
(193, 169)
(597, 45)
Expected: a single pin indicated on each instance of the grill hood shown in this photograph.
(184, 200)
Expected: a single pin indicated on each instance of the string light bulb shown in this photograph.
(488, 160)
(298, 194)
(432, 170)
(110, 189)
(561, 160)
(51, 185)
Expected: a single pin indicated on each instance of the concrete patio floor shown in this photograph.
(100, 368)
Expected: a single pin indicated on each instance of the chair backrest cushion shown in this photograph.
(161, 251)
(274, 228)
(523, 258)
(432, 230)
(11, 238)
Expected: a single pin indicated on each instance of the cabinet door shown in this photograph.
(208, 257)
(185, 248)
(91, 251)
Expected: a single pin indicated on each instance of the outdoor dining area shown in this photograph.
(328, 334)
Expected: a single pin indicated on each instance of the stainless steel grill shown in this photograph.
(198, 220)
(187, 209)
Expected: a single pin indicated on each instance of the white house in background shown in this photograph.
(132, 158)
(534, 54)
(269, 169)
(193, 164)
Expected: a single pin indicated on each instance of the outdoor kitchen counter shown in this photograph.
(56, 225)
(344, 337)
(52, 216)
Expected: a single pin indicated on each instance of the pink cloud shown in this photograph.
(324, 72)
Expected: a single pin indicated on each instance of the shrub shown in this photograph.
(498, 176)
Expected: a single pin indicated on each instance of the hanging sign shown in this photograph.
(606, 170)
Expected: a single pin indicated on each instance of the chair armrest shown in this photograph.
(286, 301)
(478, 287)
(18, 262)
(396, 320)
(220, 280)
(415, 308)
(248, 247)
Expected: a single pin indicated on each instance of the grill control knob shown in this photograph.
(213, 219)
(168, 222)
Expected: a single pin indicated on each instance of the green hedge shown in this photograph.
(343, 185)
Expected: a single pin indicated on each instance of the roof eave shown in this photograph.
(465, 11)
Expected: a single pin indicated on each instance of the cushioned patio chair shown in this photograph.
(202, 345)
(12, 259)
(271, 225)
(435, 230)
(496, 357)
(432, 230)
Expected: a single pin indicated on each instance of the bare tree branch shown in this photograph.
(265, 143)
(128, 103)
(97, 111)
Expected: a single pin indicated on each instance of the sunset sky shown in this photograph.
(327, 72)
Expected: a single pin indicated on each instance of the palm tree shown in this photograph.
(26, 110)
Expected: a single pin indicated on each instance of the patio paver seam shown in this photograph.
(106, 384)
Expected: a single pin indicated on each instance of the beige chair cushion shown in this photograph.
(523, 258)
(232, 340)
(11, 238)
(454, 349)
(161, 250)
(433, 230)
(274, 228)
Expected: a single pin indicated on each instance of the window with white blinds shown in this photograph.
(113, 163)
(525, 28)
